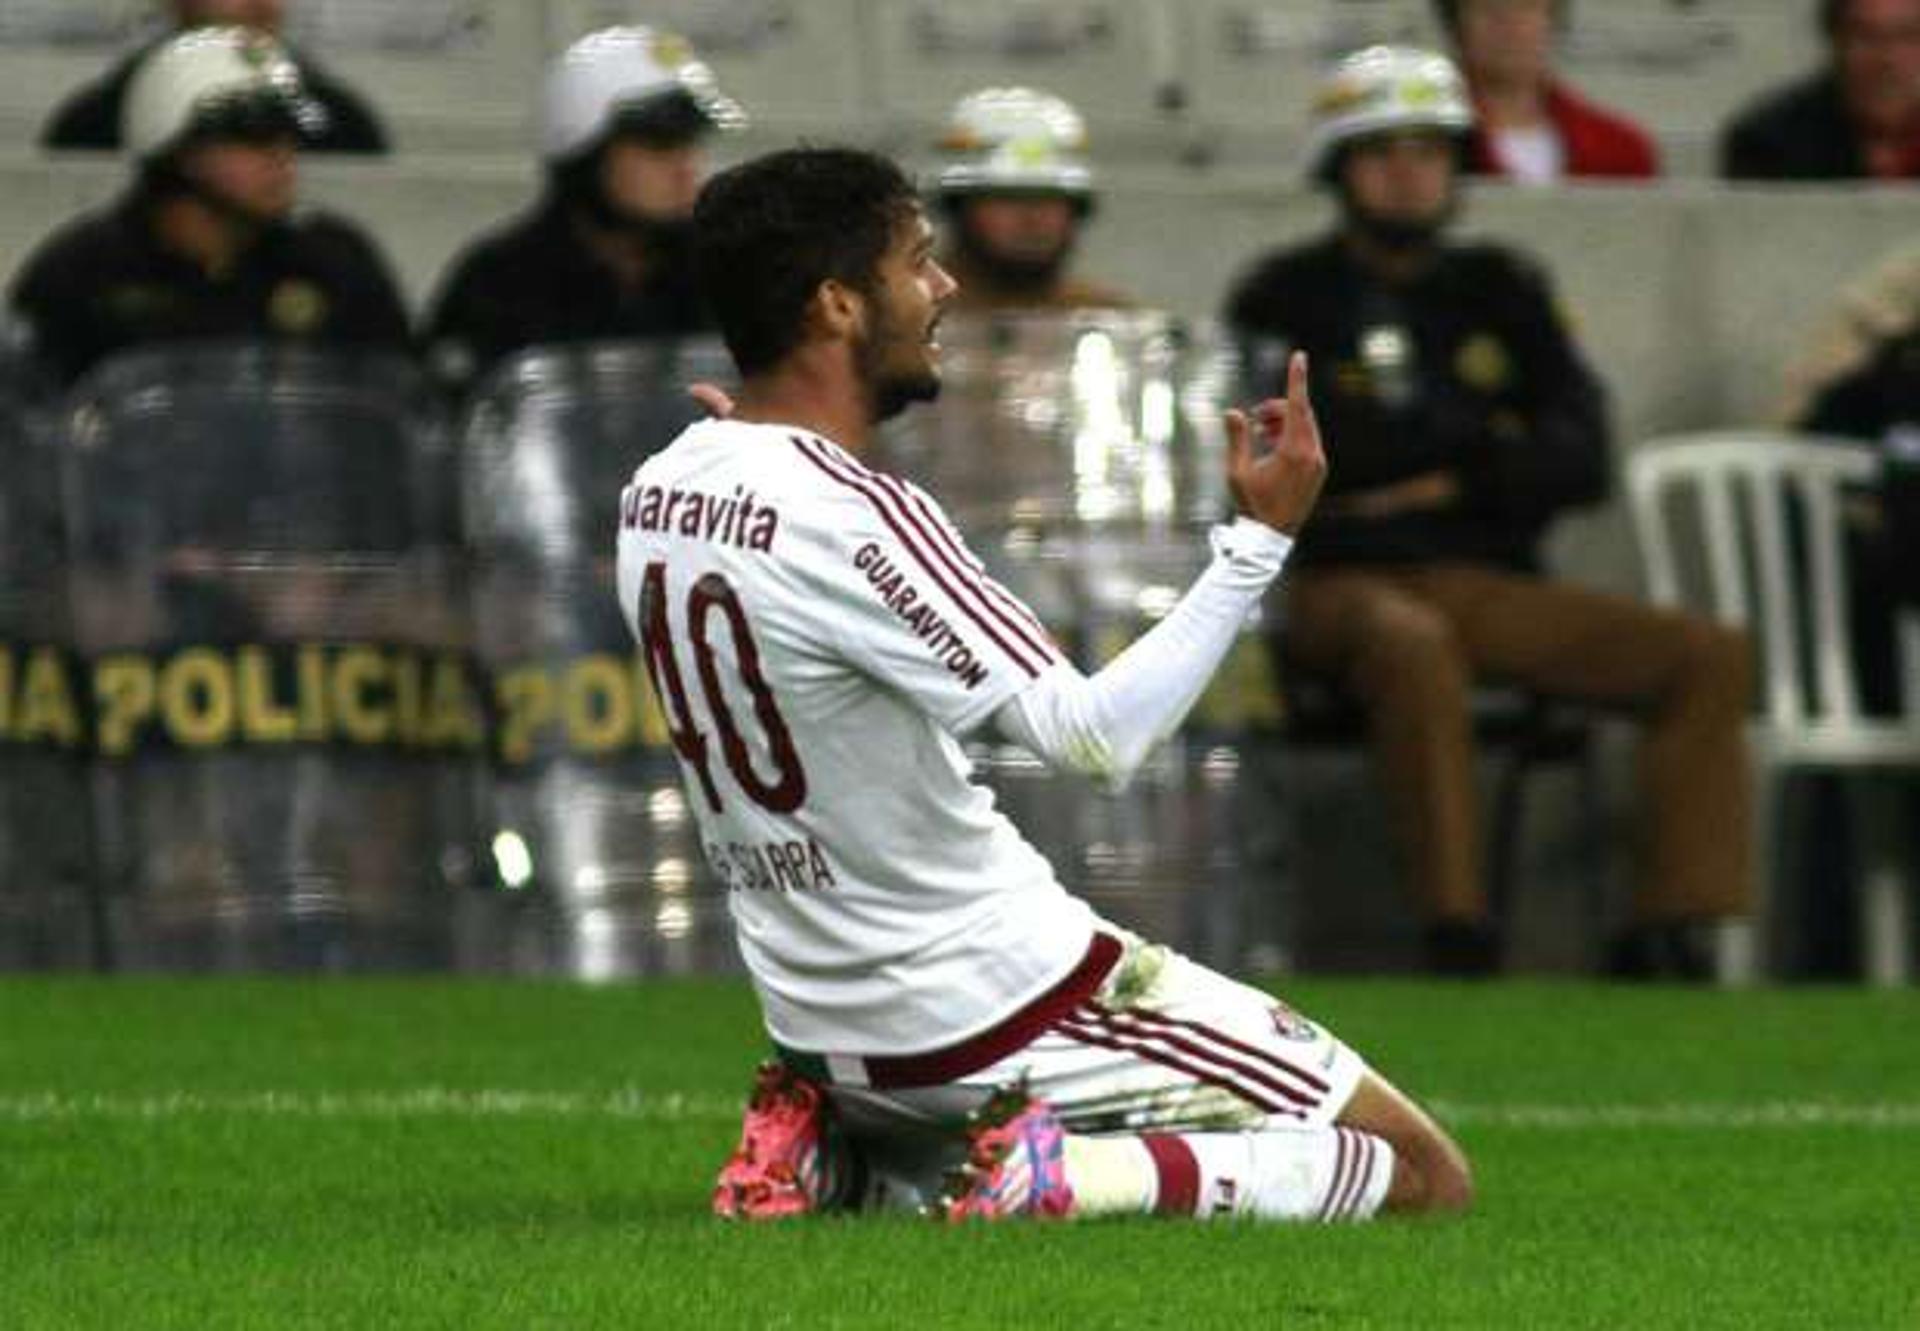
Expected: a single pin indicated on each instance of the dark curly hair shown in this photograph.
(768, 232)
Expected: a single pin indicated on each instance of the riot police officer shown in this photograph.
(207, 242)
(604, 253)
(92, 116)
(1016, 187)
(1462, 418)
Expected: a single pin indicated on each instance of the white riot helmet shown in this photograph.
(629, 77)
(1380, 90)
(210, 80)
(1011, 141)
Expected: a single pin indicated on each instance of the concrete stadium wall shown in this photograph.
(1224, 79)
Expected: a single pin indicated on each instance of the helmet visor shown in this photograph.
(668, 120)
(257, 117)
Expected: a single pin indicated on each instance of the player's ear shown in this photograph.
(839, 308)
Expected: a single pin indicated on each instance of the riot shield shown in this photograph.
(1083, 456)
(593, 841)
(46, 915)
(285, 721)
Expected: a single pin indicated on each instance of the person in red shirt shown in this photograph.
(1528, 125)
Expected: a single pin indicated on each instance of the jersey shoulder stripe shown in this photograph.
(913, 494)
(927, 518)
(911, 531)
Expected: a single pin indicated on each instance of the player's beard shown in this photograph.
(891, 389)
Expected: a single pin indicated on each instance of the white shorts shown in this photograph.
(1163, 1045)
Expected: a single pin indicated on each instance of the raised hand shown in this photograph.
(712, 398)
(1279, 482)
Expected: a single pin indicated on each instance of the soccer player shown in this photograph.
(819, 635)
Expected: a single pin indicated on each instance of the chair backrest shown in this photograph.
(1768, 509)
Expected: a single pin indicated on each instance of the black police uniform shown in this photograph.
(537, 283)
(104, 284)
(91, 117)
(1465, 367)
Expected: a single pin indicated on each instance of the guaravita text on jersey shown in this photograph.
(738, 519)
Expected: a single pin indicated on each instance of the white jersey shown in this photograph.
(818, 634)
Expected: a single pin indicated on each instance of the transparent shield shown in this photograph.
(285, 719)
(46, 916)
(1083, 456)
(593, 843)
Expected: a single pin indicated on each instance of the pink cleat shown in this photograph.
(780, 1167)
(1016, 1164)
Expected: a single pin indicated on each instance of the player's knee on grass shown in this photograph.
(1430, 1172)
(1430, 1178)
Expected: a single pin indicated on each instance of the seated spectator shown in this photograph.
(1529, 126)
(1856, 119)
(1859, 378)
(1462, 418)
(1016, 188)
(604, 253)
(206, 243)
(93, 116)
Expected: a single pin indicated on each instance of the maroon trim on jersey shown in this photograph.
(894, 512)
(1179, 1173)
(954, 552)
(1266, 1056)
(901, 1071)
(1353, 1168)
(959, 551)
(1342, 1163)
(1370, 1147)
(1104, 1037)
(1198, 1048)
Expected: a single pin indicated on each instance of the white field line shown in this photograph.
(1705, 1114)
(423, 1102)
(638, 1105)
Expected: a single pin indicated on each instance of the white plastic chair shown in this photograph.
(1783, 576)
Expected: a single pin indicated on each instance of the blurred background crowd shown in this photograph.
(1616, 341)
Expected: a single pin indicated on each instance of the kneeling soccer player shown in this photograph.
(818, 634)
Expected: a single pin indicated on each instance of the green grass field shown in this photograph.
(451, 1154)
